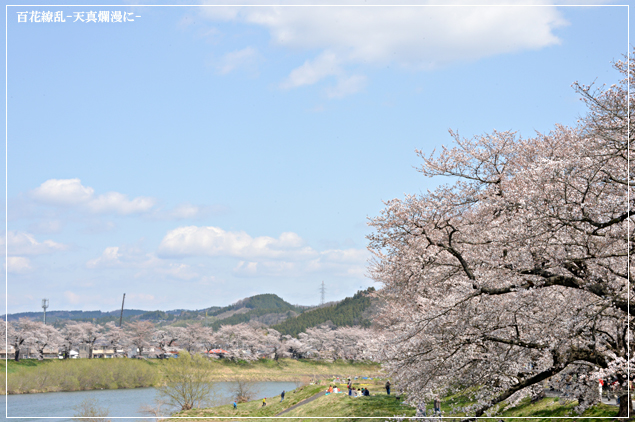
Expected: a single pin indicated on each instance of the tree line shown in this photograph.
(236, 342)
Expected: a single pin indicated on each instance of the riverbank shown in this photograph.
(32, 376)
(381, 406)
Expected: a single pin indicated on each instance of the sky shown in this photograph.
(195, 155)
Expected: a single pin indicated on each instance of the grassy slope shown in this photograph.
(548, 408)
(255, 408)
(378, 405)
(381, 406)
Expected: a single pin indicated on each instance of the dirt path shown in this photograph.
(305, 401)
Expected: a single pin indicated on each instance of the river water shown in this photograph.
(120, 403)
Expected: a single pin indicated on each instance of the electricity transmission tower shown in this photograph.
(322, 291)
(45, 304)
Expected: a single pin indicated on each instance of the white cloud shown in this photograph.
(312, 71)
(19, 243)
(179, 271)
(345, 256)
(246, 59)
(347, 263)
(108, 259)
(128, 257)
(185, 211)
(188, 211)
(63, 192)
(410, 37)
(214, 241)
(267, 268)
(119, 203)
(347, 86)
(18, 264)
(71, 192)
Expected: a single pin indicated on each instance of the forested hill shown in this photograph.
(268, 308)
(264, 301)
(356, 310)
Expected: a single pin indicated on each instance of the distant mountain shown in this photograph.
(356, 310)
(53, 316)
(268, 309)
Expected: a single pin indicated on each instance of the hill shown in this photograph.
(266, 308)
(356, 310)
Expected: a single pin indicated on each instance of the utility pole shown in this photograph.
(322, 290)
(121, 316)
(45, 304)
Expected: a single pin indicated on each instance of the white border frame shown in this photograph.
(6, 176)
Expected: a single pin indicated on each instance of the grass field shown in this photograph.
(30, 376)
(381, 406)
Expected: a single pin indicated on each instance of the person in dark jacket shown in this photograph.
(437, 406)
(388, 387)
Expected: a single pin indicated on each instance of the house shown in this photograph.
(217, 353)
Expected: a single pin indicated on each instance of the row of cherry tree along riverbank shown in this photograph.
(235, 342)
(517, 272)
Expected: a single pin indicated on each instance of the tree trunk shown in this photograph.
(626, 407)
(16, 355)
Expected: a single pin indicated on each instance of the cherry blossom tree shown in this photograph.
(516, 272)
(272, 340)
(18, 335)
(42, 336)
(294, 347)
(189, 337)
(139, 335)
(3, 331)
(166, 337)
(69, 339)
(88, 333)
(115, 336)
(319, 340)
(242, 341)
(208, 339)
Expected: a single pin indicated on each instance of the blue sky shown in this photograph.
(198, 155)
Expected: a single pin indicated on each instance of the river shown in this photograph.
(120, 403)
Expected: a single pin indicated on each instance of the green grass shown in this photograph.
(381, 406)
(29, 375)
(551, 407)
(32, 376)
(255, 408)
(377, 405)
